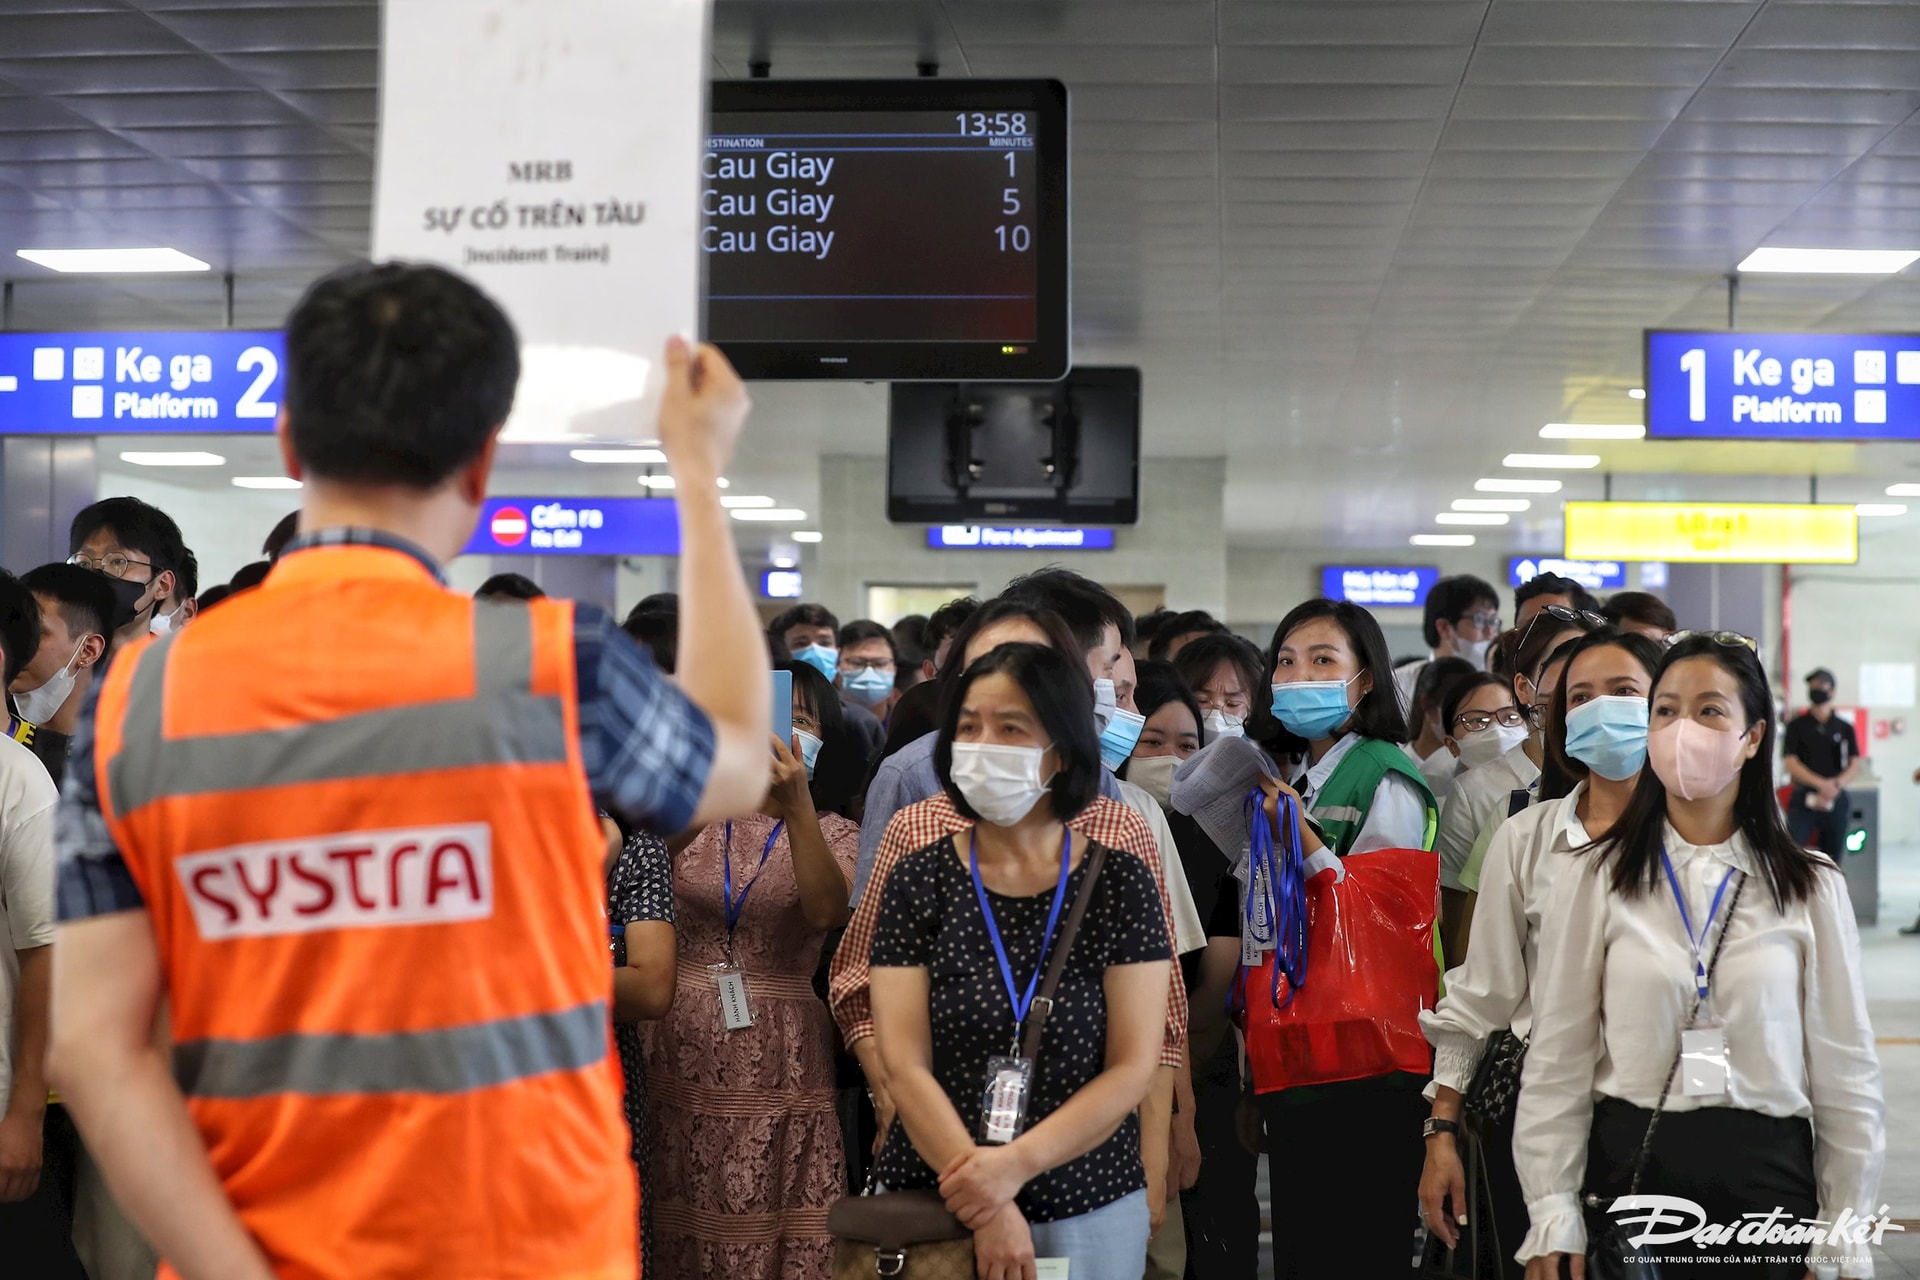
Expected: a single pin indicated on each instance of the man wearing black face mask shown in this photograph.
(138, 546)
(1822, 756)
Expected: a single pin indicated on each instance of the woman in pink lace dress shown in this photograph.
(747, 1155)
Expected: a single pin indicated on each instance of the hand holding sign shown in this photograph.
(701, 415)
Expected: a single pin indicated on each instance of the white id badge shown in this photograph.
(1249, 950)
(1003, 1111)
(1703, 1062)
(733, 996)
(1050, 1268)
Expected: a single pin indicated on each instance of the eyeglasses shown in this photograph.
(1731, 639)
(114, 566)
(1485, 621)
(1538, 712)
(1475, 721)
(1567, 617)
(866, 664)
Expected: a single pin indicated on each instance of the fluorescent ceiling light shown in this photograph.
(1471, 517)
(1903, 491)
(1551, 461)
(1846, 262)
(1636, 393)
(266, 482)
(628, 457)
(1491, 504)
(1880, 509)
(113, 261)
(1502, 485)
(785, 562)
(177, 458)
(1442, 540)
(776, 515)
(1593, 431)
(748, 500)
(656, 482)
(806, 535)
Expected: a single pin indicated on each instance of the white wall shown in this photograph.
(1180, 542)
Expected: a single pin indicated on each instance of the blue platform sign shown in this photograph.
(1594, 575)
(1783, 386)
(978, 537)
(577, 527)
(183, 381)
(1386, 587)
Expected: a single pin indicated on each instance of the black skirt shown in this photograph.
(1729, 1162)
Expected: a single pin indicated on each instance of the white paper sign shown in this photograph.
(549, 150)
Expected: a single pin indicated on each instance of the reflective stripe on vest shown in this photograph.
(448, 1060)
(1337, 813)
(504, 722)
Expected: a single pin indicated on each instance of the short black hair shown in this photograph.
(1175, 625)
(800, 615)
(514, 586)
(1553, 584)
(1452, 599)
(136, 526)
(398, 373)
(861, 630)
(910, 633)
(1460, 690)
(1377, 714)
(1158, 683)
(840, 771)
(249, 575)
(1085, 605)
(20, 629)
(186, 577)
(86, 597)
(212, 596)
(1147, 625)
(1430, 688)
(656, 628)
(282, 534)
(1642, 607)
(946, 621)
(668, 600)
(1196, 662)
(1062, 704)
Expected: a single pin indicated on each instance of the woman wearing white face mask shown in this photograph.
(1596, 741)
(1700, 1031)
(966, 925)
(1224, 673)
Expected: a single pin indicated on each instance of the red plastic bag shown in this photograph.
(1370, 972)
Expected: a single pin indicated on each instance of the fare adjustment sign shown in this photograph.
(551, 152)
(1783, 386)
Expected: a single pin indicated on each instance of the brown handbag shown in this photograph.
(910, 1235)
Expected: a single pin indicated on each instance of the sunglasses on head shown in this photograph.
(1731, 639)
(1568, 617)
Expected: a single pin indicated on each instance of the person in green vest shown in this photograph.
(1334, 697)
(1333, 690)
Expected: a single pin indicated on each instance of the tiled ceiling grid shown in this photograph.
(1362, 248)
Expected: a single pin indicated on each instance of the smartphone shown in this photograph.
(783, 707)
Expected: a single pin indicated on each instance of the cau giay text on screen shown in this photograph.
(1783, 386)
(219, 380)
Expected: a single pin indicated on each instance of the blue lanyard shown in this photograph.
(1020, 1004)
(1697, 941)
(734, 906)
(1278, 891)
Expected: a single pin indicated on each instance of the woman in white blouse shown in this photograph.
(1777, 1108)
(1596, 742)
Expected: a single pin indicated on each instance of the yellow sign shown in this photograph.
(1712, 533)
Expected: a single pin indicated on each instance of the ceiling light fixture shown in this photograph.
(627, 457)
(1471, 517)
(748, 500)
(656, 482)
(1903, 491)
(1593, 431)
(1880, 508)
(176, 458)
(1843, 262)
(1442, 539)
(1491, 504)
(266, 482)
(1551, 461)
(1502, 485)
(113, 261)
(1636, 393)
(807, 535)
(775, 515)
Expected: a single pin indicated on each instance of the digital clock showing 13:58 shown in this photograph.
(992, 124)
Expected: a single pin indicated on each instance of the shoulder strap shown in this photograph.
(1518, 801)
(1043, 1000)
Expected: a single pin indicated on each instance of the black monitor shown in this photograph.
(888, 230)
(1067, 450)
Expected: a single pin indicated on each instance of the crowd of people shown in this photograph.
(341, 861)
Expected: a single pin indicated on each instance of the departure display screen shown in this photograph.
(887, 230)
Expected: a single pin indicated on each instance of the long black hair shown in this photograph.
(1062, 699)
(1633, 847)
(1560, 773)
(1376, 715)
(840, 768)
(1156, 684)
